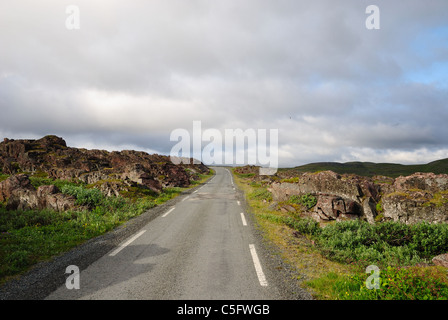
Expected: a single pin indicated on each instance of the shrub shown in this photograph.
(402, 284)
(307, 200)
(88, 197)
(304, 226)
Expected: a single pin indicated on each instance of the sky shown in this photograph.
(137, 70)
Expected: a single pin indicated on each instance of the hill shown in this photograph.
(370, 169)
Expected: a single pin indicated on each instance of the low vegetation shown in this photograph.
(28, 237)
(332, 259)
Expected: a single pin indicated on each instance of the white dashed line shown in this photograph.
(166, 213)
(124, 245)
(243, 219)
(257, 264)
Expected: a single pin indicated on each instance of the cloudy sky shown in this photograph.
(137, 70)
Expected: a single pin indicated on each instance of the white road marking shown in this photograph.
(244, 219)
(166, 213)
(257, 264)
(239, 203)
(185, 198)
(124, 245)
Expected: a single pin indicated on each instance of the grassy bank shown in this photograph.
(29, 237)
(332, 259)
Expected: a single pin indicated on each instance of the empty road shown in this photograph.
(201, 247)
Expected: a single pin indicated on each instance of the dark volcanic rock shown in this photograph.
(411, 199)
(111, 172)
(51, 155)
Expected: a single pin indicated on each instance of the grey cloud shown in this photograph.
(136, 71)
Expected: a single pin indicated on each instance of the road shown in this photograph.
(202, 247)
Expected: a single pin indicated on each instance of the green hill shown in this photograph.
(371, 169)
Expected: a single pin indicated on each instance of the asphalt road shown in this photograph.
(202, 246)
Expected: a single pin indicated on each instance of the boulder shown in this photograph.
(414, 206)
(441, 260)
(58, 202)
(19, 194)
(23, 199)
(15, 182)
(330, 207)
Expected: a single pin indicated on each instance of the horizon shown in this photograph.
(227, 165)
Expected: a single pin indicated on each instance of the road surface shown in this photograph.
(201, 247)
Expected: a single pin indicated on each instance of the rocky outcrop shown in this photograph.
(19, 194)
(338, 197)
(411, 199)
(418, 197)
(51, 156)
(110, 172)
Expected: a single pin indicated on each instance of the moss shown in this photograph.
(398, 194)
(439, 199)
(40, 174)
(379, 207)
(290, 180)
(379, 217)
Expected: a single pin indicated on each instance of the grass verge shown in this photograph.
(332, 260)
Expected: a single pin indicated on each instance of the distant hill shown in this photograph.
(370, 169)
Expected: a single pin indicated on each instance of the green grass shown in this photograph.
(395, 283)
(29, 237)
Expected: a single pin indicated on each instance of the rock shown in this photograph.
(324, 207)
(111, 188)
(58, 202)
(330, 207)
(369, 210)
(441, 260)
(412, 199)
(15, 182)
(23, 199)
(51, 155)
(287, 208)
(422, 181)
(413, 207)
(19, 194)
(43, 191)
